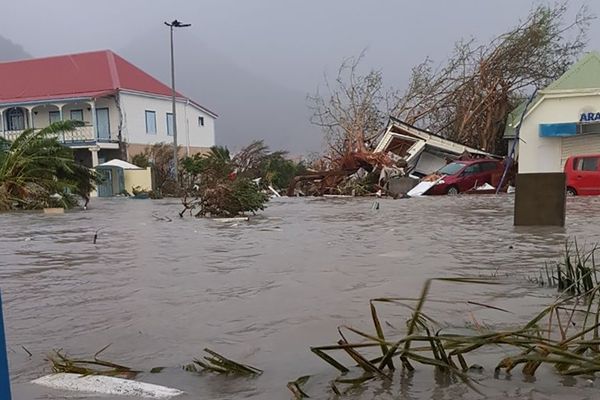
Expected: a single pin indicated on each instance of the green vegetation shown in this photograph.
(575, 273)
(215, 188)
(216, 363)
(565, 335)
(220, 185)
(36, 171)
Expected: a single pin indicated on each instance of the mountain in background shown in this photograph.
(10, 51)
(249, 106)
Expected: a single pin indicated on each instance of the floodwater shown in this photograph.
(263, 292)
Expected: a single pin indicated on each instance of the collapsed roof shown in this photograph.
(423, 151)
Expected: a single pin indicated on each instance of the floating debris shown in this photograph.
(296, 387)
(161, 218)
(221, 365)
(27, 351)
(232, 219)
(63, 363)
(106, 385)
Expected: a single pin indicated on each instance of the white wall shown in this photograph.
(543, 154)
(42, 119)
(189, 133)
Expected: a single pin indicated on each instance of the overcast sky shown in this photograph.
(254, 61)
(291, 42)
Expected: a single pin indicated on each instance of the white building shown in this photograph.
(123, 108)
(563, 120)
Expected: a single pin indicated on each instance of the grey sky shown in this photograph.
(291, 42)
(254, 61)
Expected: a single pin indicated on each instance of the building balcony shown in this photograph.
(83, 136)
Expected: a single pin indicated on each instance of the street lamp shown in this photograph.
(171, 25)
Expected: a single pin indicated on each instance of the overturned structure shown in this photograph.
(423, 152)
(402, 156)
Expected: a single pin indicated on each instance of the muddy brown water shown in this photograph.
(263, 292)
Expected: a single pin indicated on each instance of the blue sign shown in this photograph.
(4, 379)
(562, 129)
(589, 117)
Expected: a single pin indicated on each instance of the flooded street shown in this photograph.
(263, 292)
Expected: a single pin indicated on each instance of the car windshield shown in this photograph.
(451, 169)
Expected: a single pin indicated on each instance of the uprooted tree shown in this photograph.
(467, 99)
(353, 109)
(219, 185)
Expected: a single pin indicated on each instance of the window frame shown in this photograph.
(580, 162)
(476, 167)
(74, 111)
(170, 128)
(146, 114)
(487, 166)
(15, 112)
(50, 114)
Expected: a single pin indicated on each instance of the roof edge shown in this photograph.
(57, 56)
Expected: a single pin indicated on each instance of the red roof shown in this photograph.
(85, 75)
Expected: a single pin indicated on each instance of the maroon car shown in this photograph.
(461, 176)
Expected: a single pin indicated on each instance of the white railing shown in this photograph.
(80, 134)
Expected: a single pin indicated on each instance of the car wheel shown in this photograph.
(452, 191)
(571, 192)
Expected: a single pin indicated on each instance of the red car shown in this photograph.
(461, 176)
(583, 175)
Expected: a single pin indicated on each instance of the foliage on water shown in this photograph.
(550, 338)
(61, 362)
(219, 364)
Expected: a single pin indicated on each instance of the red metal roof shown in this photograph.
(86, 75)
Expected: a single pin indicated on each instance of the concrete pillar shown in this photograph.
(60, 111)
(540, 199)
(93, 110)
(2, 124)
(94, 151)
(29, 117)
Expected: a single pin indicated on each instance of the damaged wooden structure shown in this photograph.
(403, 152)
(423, 152)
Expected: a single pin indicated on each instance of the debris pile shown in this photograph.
(356, 173)
(402, 156)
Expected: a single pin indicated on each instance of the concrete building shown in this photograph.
(563, 120)
(123, 108)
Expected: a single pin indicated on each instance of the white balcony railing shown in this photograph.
(80, 134)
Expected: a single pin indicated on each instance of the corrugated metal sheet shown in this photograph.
(580, 144)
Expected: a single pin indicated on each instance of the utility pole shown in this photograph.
(171, 25)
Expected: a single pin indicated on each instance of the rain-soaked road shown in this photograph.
(264, 292)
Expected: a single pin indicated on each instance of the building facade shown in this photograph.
(123, 109)
(562, 120)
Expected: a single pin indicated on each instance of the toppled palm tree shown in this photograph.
(220, 185)
(36, 171)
